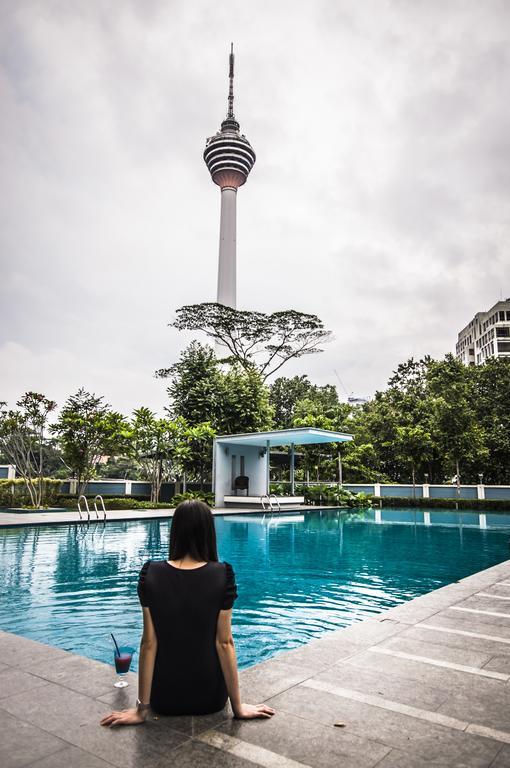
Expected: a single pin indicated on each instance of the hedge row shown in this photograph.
(481, 504)
(133, 502)
(14, 493)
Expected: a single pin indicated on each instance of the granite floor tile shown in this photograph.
(194, 754)
(397, 731)
(398, 759)
(320, 654)
(307, 742)
(54, 708)
(264, 680)
(70, 757)
(387, 686)
(370, 631)
(440, 652)
(16, 681)
(86, 676)
(441, 677)
(17, 651)
(499, 663)
(148, 746)
(502, 759)
(486, 625)
(452, 640)
(481, 707)
(21, 743)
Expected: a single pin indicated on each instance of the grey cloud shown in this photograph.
(379, 200)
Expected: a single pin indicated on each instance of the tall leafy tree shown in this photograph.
(284, 393)
(456, 428)
(254, 339)
(243, 403)
(160, 446)
(87, 429)
(491, 383)
(23, 438)
(194, 382)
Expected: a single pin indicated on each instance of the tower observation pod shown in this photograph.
(229, 158)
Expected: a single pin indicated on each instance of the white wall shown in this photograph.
(255, 468)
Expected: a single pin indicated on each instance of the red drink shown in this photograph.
(122, 663)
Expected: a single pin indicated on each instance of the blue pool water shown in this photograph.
(298, 576)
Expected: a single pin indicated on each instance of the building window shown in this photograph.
(241, 465)
(504, 346)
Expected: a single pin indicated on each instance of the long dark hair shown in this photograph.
(193, 532)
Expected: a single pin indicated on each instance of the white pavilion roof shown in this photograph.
(298, 436)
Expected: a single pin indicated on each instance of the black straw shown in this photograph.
(116, 646)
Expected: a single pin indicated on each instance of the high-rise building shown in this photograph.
(229, 158)
(487, 335)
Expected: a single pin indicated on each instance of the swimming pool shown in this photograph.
(298, 575)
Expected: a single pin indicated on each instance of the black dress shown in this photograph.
(184, 606)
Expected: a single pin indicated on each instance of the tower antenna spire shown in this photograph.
(230, 111)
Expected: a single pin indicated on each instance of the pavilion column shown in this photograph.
(292, 468)
(268, 476)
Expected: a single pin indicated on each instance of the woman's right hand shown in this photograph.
(251, 711)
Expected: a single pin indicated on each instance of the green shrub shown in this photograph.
(335, 496)
(114, 503)
(475, 504)
(14, 493)
(202, 495)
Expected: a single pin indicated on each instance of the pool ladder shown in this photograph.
(268, 498)
(87, 510)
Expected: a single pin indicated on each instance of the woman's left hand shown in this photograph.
(124, 717)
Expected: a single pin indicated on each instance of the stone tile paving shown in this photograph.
(20, 519)
(407, 697)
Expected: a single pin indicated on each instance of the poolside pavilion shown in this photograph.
(241, 463)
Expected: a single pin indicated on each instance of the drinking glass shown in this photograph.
(122, 664)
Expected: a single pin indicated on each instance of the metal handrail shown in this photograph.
(86, 507)
(274, 496)
(100, 498)
(266, 497)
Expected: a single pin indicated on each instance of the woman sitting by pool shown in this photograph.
(187, 655)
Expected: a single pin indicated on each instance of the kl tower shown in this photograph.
(229, 158)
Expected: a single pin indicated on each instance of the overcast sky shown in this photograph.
(379, 199)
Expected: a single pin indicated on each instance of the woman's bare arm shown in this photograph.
(227, 656)
(148, 650)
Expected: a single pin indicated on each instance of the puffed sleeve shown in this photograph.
(141, 589)
(230, 588)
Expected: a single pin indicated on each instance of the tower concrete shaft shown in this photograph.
(229, 158)
(227, 279)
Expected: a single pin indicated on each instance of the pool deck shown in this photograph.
(422, 685)
(71, 516)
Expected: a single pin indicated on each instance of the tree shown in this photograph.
(323, 410)
(87, 428)
(242, 403)
(160, 446)
(199, 439)
(194, 383)
(491, 383)
(414, 446)
(23, 438)
(455, 426)
(284, 393)
(229, 401)
(254, 339)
